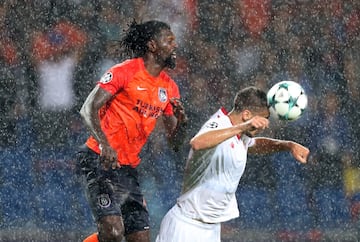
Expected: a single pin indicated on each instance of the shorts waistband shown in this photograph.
(84, 148)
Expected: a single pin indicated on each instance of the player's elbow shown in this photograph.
(196, 144)
(84, 111)
(87, 112)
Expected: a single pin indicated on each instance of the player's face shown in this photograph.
(166, 52)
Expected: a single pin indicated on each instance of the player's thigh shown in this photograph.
(115, 192)
(134, 211)
(98, 186)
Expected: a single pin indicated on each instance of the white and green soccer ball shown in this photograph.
(287, 100)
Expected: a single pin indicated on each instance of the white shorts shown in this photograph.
(175, 227)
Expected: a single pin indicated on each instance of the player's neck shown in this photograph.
(152, 67)
(235, 117)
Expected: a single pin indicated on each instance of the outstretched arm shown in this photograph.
(267, 146)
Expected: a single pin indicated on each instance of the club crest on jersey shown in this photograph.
(212, 125)
(162, 95)
(104, 200)
(107, 77)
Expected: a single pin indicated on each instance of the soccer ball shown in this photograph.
(287, 100)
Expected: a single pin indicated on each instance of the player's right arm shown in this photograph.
(97, 98)
(214, 137)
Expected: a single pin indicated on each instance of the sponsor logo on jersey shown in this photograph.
(106, 78)
(212, 125)
(147, 110)
(162, 94)
(104, 200)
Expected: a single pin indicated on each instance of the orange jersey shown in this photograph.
(138, 100)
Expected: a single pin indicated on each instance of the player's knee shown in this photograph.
(111, 228)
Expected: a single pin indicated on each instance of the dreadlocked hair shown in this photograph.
(138, 35)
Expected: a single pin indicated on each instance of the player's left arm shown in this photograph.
(264, 145)
(175, 124)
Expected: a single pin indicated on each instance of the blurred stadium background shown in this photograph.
(53, 52)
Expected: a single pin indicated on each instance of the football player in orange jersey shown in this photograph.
(121, 112)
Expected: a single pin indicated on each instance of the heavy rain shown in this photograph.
(53, 53)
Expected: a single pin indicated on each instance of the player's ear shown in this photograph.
(246, 115)
(151, 44)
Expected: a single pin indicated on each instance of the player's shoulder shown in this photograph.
(128, 65)
(220, 114)
(121, 72)
(218, 120)
(166, 77)
(168, 82)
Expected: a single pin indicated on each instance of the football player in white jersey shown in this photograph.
(215, 165)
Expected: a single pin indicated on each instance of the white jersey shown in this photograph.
(212, 175)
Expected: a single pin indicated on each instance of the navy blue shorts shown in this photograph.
(113, 192)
